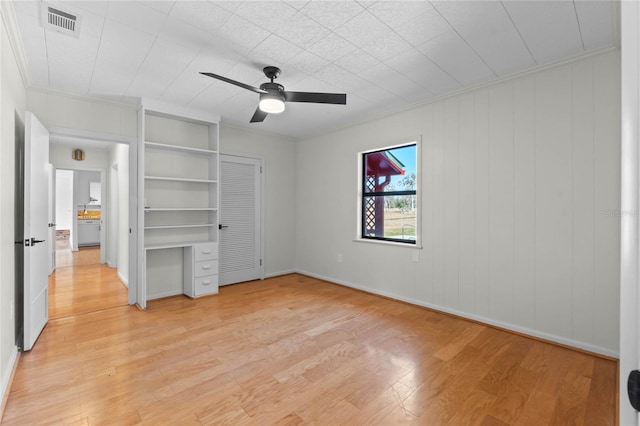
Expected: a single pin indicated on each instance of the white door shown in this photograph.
(240, 252)
(36, 250)
(51, 239)
(630, 204)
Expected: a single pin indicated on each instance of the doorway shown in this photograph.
(92, 221)
(80, 214)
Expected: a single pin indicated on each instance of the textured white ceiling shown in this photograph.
(384, 54)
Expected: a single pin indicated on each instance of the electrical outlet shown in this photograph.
(339, 258)
(415, 256)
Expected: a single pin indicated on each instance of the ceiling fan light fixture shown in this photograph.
(273, 96)
(271, 104)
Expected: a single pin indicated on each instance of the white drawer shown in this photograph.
(206, 267)
(206, 251)
(206, 285)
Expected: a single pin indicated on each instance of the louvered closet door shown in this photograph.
(240, 209)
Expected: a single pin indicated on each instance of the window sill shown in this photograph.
(388, 243)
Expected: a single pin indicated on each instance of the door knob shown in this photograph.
(222, 226)
(34, 241)
(633, 389)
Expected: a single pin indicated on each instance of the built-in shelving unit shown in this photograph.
(178, 189)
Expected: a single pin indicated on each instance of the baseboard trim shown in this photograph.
(7, 380)
(122, 279)
(535, 334)
(280, 273)
(164, 295)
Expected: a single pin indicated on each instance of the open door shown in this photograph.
(51, 239)
(629, 366)
(36, 231)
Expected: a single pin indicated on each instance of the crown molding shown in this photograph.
(10, 22)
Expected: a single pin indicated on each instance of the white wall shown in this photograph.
(122, 234)
(12, 102)
(280, 183)
(95, 158)
(64, 199)
(111, 210)
(81, 190)
(82, 113)
(520, 198)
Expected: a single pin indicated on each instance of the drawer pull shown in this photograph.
(206, 251)
(206, 267)
(206, 282)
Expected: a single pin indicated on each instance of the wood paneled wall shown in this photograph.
(520, 205)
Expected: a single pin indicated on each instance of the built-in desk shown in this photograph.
(200, 277)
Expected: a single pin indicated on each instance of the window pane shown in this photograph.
(392, 217)
(390, 170)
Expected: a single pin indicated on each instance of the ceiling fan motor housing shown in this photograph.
(274, 90)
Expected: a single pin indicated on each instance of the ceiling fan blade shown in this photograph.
(258, 116)
(317, 98)
(236, 83)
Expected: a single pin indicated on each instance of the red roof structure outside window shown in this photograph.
(380, 196)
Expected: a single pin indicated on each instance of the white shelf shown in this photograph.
(172, 179)
(177, 148)
(178, 151)
(199, 225)
(173, 245)
(180, 209)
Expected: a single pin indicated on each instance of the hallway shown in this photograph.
(80, 284)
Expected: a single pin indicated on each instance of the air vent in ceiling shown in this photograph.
(60, 21)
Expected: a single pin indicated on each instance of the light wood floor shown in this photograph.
(80, 284)
(295, 350)
(84, 256)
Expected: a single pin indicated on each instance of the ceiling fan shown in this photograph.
(273, 96)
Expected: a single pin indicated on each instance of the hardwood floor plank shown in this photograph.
(80, 284)
(537, 411)
(512, 398)
(295, 350)
(602, 380)
(474, 408)
(290, 420)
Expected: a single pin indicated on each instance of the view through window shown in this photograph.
(389, 199)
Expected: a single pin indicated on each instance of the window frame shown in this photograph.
(362, 195)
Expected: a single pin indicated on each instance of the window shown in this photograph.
(389, 204)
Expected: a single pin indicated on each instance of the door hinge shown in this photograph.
(260, 262)
(633, 389)
(260, 169)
